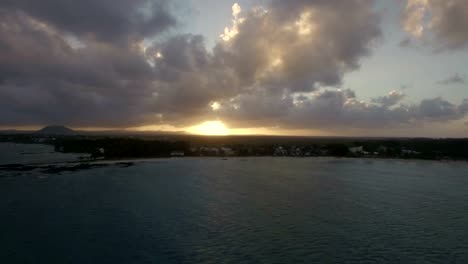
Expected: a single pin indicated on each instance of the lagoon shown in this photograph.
(240, 210)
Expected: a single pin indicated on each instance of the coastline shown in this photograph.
(73, 166)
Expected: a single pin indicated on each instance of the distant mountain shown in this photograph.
(56, 130)
(65, 131)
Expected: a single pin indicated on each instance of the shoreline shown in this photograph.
(71, 166)
(149, 159)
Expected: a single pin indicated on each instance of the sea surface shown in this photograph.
(239, 210)
(12, 153)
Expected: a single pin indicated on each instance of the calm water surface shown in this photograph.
(11, 153)
(259, 210)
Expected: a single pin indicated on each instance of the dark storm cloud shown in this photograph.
(101, 19)
(45, 80)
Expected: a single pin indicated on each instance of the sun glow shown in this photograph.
(210, 128)
(304, 26)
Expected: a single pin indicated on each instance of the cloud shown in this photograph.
(108, 20)
(334, 110)
(279, 50)
(45, 80)
(79, 62)
(440, 23)
(438, 109)
(413, 18)
(300, 45)
(281, 65)
(93, 54)
(453, 80)
(463, 108)
(393, 98)
(406, 42)
(189, 79)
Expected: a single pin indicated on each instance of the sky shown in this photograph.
(296, 67)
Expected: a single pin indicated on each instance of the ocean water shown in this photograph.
(12, 153)
(253, 210)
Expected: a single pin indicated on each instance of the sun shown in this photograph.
(210, 128)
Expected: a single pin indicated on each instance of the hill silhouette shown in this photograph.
(56, 130)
